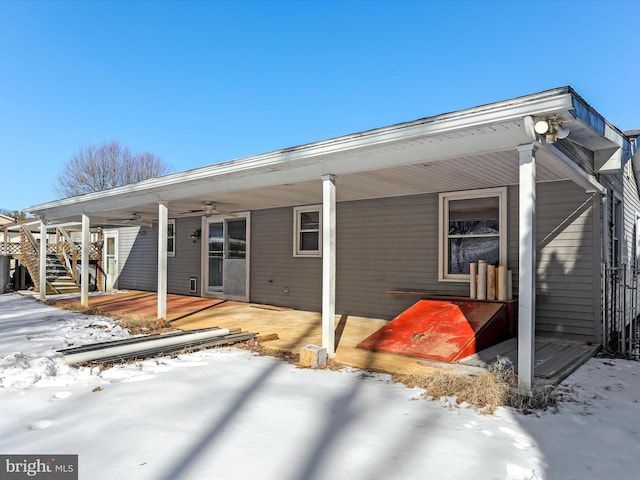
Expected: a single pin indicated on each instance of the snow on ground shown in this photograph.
(230, 414)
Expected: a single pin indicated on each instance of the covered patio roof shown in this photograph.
(473, 148)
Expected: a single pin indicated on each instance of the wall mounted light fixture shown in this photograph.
(195, 235)
(551, 129)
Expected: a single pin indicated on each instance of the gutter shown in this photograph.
(634, 139)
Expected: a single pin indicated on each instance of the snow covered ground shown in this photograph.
(230, 414)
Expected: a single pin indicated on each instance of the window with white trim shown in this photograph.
(473, 226)
(171, 238)
(307, 231)
(636, 244)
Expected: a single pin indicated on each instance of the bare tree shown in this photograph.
(109, 165)
(15, 214)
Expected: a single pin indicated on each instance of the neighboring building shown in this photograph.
(334, 226)
(4, 235)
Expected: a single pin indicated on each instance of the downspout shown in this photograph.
(604, 270)
(635, 159)
(605, 231)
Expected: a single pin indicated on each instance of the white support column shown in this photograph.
(527, 270)
(84, 259)
(328, 262)
(43, 261)
(163, 222)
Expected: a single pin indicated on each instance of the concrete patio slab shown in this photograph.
(294, 328)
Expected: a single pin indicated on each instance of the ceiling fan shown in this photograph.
(208, 209)
(130, 218)
(135, 219)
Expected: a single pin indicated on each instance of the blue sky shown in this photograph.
(198, 83)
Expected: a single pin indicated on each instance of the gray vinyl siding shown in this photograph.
(274, 268)
(392, 244)
(186, 262)
(138, 258)
(383, 245)
(631, 212)
(581, 155)
(568, 292)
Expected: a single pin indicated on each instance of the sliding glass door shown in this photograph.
(226, 267)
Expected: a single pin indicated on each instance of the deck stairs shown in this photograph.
(62, 261)
(59, 277)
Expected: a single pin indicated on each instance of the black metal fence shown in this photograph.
(621, 308)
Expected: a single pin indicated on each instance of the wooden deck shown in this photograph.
(555, 359)
(295, 329)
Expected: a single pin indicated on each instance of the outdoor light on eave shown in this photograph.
(551, 129)
(561, 132)
(195, 235)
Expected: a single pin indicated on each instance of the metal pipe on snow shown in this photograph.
(142, 345)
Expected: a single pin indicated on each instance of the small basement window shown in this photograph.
(473, 226)
(307, 228)
(171, 238)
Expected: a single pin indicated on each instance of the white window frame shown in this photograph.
(297, 251)
(636, 249)
(443, 222)
(172, 252)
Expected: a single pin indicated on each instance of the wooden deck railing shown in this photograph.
(30, 252)
(65, 248)
(9, 248)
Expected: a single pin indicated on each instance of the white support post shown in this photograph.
(43, 261)
(328, 262)
(84, 258)
(163, 222)
(527, 270)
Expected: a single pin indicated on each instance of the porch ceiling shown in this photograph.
(461, 173)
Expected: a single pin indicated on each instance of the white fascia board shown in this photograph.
(608, 160)
(302, 171)
(612, 160)
(282, 160)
